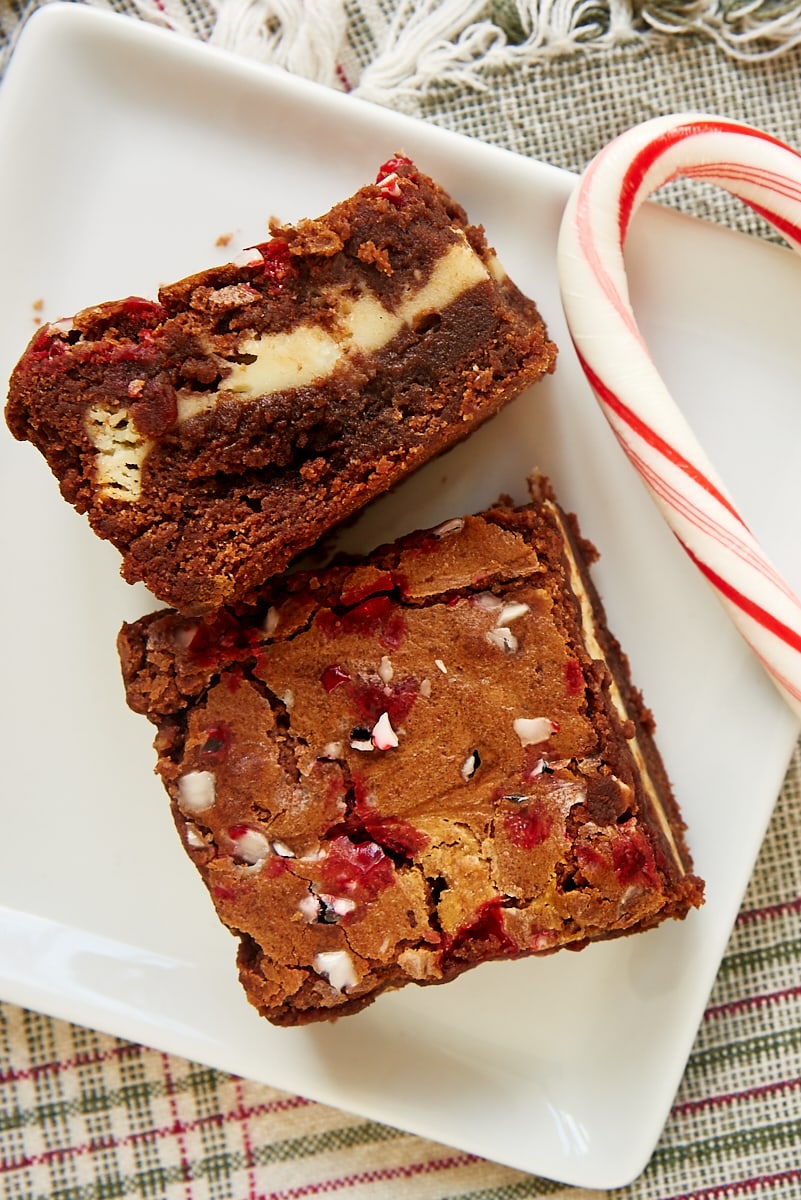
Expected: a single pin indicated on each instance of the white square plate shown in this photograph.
(126, 153)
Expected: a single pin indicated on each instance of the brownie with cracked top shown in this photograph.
(215, 434)
(398, 767)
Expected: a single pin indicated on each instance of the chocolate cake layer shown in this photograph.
(215, 434)
(396, 768)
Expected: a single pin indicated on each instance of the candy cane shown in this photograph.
(651, 429)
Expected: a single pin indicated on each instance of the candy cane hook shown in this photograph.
(649, 425)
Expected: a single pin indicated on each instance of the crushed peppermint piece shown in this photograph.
(282, 850)
(383, 735)
(361, 739)
(487, 602)
(470, 766)
(314, 856)
(503, 639)
(197, 791)
(194, 838)
(389, 186)
(385, 670)
(440, 665)
(337, 966)
(512, 612)
(247, 257)
(334, 908)
(310, 908)
(532, 730)
(183, 636)
(454, 525)
(249, 845)
(271, 620)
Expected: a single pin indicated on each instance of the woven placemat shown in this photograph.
(84, 1116)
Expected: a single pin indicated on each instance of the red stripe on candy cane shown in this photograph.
(745, 548)
(658, 146)
(766, 174)
(725, 172)
(613, 402)
(750, 607)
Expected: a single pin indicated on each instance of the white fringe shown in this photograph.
(449, 42)
(753, 29)
(303, 36)
(452, 42)
(429, 40)
(170, 14)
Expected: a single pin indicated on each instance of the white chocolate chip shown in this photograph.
(383, 735)
(533, 730)
(440, 665)
(288, 699)
(385, 670)
(332, 750)
(197, 791)
(337, 966)
(425, 687)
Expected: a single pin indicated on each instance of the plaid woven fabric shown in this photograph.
(87, 1117)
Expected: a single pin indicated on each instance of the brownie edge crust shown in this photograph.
(216, 433)
(399, 767)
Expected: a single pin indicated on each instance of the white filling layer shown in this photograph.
(308, 354)
(277, 362)
(595, 650)
(120, 452)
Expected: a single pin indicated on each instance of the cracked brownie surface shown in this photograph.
(215, 434)
(398, 767)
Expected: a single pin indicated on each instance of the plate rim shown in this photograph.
(47, 21)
